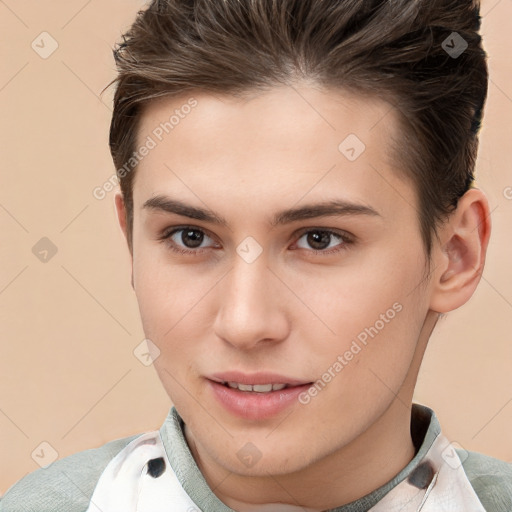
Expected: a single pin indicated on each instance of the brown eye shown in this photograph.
(185, 240)
(320, 240)
(191, 238)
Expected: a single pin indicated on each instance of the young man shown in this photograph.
(296, 194)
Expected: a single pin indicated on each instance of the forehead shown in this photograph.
(298, 113)
(291, 138)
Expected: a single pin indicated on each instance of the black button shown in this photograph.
(422, 476)
(156, 467)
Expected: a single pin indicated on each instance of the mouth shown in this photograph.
(257, 388)
(261, 382)
(256, 396)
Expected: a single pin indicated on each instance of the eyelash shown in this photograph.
(346, 241)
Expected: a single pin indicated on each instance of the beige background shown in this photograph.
(68, 375)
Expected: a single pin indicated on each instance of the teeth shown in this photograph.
(259, 388)
(262, 388)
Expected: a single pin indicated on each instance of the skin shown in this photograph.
(292, 311)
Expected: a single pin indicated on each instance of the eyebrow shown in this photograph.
(331, 208)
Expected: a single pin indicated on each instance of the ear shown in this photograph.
(121, 213)
(121, 217)
(460, 256)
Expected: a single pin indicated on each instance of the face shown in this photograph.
(275, 243)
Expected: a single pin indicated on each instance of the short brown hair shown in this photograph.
(398, 50)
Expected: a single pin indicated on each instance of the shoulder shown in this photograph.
(64, 486)
(491, 479)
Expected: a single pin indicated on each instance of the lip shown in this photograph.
(252, 405)
(255, 378)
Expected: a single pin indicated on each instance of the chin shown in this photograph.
(257, 457)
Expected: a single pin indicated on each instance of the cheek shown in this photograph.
(164, 296)
(374, 316)
(175, 309)
(362, 295)
(171, 314)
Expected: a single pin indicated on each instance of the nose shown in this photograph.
(252, 306)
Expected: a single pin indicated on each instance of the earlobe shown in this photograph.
(461, 254)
